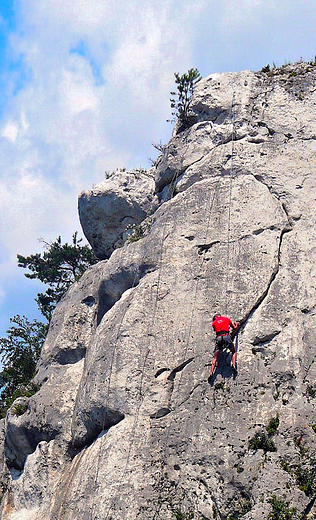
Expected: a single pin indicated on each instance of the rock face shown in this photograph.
(126, 424)
(113, 208)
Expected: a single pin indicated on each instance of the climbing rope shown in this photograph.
(200, 269)
(108, 391)
(149, 329)
(231, 173)
(141, 397)
(190, 324)
(202, 264)
(207, 231)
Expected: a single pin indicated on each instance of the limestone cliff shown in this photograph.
(126, 424)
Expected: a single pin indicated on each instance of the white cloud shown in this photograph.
(2, 295)
(76, 93)
(94, 91)
(10, 131)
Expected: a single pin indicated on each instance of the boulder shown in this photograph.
(113, 209)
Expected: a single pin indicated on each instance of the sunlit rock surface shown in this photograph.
(126, 424)
(112, 209)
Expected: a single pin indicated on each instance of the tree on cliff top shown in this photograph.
(59, 266)
(180, 102)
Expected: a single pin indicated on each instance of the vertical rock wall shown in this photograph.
(126, 424)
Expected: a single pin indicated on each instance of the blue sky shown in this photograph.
(85, 88)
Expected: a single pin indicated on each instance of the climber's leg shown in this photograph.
(214, 362)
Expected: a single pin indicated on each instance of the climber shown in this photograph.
(221, 325)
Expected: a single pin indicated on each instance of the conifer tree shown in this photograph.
(180, 102)
(19, 352)
(59, 266)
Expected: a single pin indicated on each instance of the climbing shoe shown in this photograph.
(234, 369)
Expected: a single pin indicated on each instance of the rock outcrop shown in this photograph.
(112, 210)
(126, 424)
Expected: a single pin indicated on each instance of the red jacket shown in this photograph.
(221, 324)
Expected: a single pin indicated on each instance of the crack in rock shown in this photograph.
(179, 368)
(262, 297)
(190, 394)
(259, 341)
(308, 508)
(165, 410)
(206, 247)
(161, 371)
(111, 291)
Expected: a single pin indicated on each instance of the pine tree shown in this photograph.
(180, 102)
(59, 266)
(19, 352)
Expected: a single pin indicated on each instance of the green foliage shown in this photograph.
(261, 441)
(311, 391)
(180, 102)
(59, 266)
(219, 386)
(241, 508)
(313, 62)
(266, 69)
(304, 473)
(136, 234)
(20, 351)
(273, 425)
(314, 428)
(280, 509)
(286, 466)
(22, 391)
(19, 409)
(306, 477)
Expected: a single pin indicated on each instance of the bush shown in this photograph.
(266, 69)
(311, 391)
(137, 233)
(280, 509)
(20, 352)
(19, 409)
(59, 267)
(286, 466)
(306, 478)
(261, 442)
(23, 391)
(273, 425)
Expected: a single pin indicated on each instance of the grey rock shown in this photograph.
(139, 432)
(112, 209)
